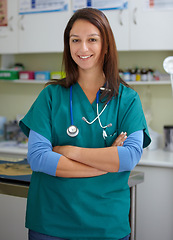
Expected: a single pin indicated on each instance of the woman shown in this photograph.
(79, 186)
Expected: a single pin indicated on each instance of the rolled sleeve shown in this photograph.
(130, 153)
(40, 155)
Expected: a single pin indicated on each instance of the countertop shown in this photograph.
(155, 158)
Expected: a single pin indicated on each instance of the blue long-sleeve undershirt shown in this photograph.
(42, 159)
(131, 151)
(40, 155)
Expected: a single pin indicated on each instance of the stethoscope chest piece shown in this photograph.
(72, 131)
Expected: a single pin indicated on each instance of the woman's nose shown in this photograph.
(84, 46)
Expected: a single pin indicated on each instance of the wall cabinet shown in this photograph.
(139, 28)
(41, 32)
(150, 29)
(134, 28)
(9, 34)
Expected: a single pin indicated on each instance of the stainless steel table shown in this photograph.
(134, 179)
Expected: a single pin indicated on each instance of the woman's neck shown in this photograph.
(91, 81)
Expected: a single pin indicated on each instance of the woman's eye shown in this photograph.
(75, 40)
(92, 40)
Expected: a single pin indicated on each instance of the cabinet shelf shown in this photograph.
(31, 81)
(159, 82)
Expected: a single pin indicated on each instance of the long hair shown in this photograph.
(109, 55)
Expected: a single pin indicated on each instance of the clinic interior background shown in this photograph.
(156, 99)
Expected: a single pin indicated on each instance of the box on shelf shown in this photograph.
(42, 75)
(9, 74)
(57, 75)
(26, 75)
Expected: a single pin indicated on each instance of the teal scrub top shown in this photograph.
(81, 208)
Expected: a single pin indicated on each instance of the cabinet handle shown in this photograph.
(10, 23)
(21, 26)
(120, 17)
(134, 16)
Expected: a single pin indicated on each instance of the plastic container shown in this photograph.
(42, 75)
(26, 75)
(9, 74)
(57, 75)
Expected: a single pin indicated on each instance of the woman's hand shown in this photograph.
(119, 141)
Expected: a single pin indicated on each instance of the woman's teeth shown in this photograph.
(84, 57)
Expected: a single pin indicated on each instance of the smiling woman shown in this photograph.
(81, 171)
(86, 46)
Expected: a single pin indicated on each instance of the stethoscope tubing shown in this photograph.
(83, 118)
(71, 106)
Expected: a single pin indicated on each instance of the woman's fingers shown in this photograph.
(119, 141)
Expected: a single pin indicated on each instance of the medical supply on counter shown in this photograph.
(168, 137)
(2, 123)
(13, 132)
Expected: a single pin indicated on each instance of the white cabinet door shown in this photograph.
(9, 34)
(42, 32)
(150, 29)
(119, 21)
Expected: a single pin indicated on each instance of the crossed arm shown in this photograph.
(70, 161)
(88, 162)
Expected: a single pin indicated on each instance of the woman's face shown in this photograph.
(85, 45)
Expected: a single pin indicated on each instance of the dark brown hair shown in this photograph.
(109, 60)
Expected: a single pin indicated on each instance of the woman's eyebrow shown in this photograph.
(90, 35)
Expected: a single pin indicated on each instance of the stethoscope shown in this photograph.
(73, 131)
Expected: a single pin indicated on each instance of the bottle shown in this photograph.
(138, 75)
(144, 76)
(150, 74)
(133, 74)
(126, 75)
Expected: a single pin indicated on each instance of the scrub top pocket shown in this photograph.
(110, 137)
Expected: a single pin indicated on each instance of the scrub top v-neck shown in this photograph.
(81, 208)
